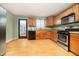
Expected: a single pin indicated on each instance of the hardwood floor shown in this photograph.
(24, 47)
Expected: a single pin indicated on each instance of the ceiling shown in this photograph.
(35, 9)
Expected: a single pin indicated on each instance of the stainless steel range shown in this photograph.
(63, 39)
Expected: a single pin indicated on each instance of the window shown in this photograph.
(40, 23)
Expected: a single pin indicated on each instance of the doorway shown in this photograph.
(22, 28)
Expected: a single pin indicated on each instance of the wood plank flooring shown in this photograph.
(24, 47)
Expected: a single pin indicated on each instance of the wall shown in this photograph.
(16, 25)
(10, 27)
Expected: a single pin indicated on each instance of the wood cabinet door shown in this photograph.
(76, 11)
(54, 36)
(57, 21)
(46, 21)
(32, 22)
(49, 21)
(42, 34)
(74, 43)
(68, 11)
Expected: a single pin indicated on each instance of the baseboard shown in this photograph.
(7, 41)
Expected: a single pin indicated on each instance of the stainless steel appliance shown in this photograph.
(2, 30)
(68, 19)
(63, 39)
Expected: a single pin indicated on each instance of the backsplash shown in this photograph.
(35, 28)
(75, 27)
(56, 28)
(59, 28)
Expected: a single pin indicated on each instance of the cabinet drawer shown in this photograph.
(74, 36)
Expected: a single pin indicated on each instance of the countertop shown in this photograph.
(74, 32)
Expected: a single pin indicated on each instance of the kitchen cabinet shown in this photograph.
(72, 9)
(64, 13)
(68, 11)
(57, 21)
(32, 22)
(53, 36)
(76, 11)
(74, 43)
(49, 21)
(42, 34)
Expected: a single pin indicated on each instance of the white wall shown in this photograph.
(10, 27)
(16, 20)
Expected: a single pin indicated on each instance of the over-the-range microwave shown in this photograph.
(68, 19)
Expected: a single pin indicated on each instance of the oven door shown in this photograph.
(62, 38)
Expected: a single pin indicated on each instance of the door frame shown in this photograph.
(19, 29)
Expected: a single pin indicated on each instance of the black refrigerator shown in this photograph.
(2, 31)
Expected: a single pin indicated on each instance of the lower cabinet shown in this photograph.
(54, 36)
(42, 34)
(74, 43)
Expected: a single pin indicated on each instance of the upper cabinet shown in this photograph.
(76, 11)
(73, 9)
(56, 21)
(49, 21)
(32, 22)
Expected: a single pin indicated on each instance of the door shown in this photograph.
(22, 28)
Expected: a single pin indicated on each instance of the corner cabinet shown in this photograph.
(32, 22)
(49, 21)
(74, 43)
